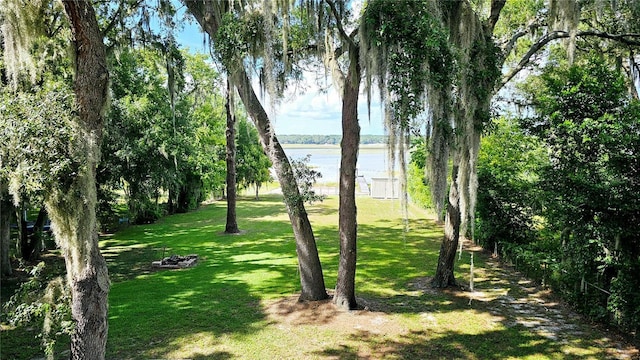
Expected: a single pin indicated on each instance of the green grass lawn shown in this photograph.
(153, 312)
(220, 308)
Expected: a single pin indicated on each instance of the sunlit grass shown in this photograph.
(217, 310)
(236, 272)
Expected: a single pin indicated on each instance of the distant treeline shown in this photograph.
(329, 139)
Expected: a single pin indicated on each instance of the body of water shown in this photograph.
(373, 160)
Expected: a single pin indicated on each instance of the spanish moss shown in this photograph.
(564, 15)
(24, 24)
(440, 53)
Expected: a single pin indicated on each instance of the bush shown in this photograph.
(588, 189)
(417, 187)
(507, 195)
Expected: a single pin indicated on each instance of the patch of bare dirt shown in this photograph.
(288, 312)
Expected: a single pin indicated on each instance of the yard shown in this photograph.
(240, 301)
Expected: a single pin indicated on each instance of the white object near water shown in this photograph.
(385, 188)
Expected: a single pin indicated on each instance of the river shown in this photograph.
(372, 160)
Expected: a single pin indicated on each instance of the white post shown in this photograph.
(471, 275)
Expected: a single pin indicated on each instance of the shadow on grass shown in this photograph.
(178, 315)
(185, 313)
(199, 312)
(500, 344)
(23, 343)
(130, 252)
(388, 257)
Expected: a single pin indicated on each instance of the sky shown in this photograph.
(302, 112)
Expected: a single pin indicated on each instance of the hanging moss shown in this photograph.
(437, 53)
(405, 49)
(34, 39)
(564, 15)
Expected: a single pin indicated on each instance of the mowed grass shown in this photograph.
(217, 304)
(219, 309)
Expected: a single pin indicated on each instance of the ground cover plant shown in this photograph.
(240, 300)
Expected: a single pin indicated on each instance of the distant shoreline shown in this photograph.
(329, 139)
(330, 146)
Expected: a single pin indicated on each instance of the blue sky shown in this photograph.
(311, 112)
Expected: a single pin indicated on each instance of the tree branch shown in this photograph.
(114, 19)
(631, 39)
(530, 28)
(496, 8)
(117, 15)
(542, 42)
(341, 30)
(627, 39)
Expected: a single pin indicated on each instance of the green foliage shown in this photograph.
(515, 17)
(562, 212)
(417, 187)
(306, 177)
(417, 181)
(43, 301)
(275, 38)
(37, 128)
(239, 36)
(406, 45)
(161, 139)
(508, 165)
(138, 140)
(485, 71)
(35, 40)
(252, 164)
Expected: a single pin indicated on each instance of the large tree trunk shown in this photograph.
(72, 206)
(232, 224)
(444, 272)
(208, 14)
(311, 277)
(347, 223)
(6, 207)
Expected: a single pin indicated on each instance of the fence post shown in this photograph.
(471, 275)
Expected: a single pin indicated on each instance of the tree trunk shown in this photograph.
(6, 207)
(23, 233)
(182, 203)
(35, 239)
(72, 206)
(311, 277)
(347, 223)
(171, 208)
(444, 272)
(232, 224)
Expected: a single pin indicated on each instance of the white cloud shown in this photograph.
(317, 112)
